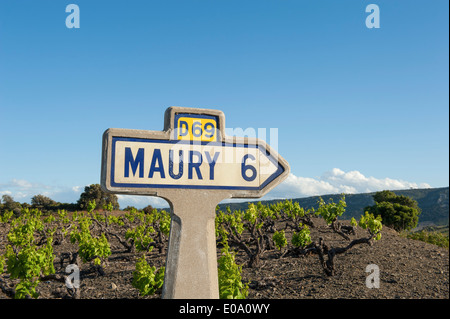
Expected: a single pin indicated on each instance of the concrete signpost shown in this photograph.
(194, 166)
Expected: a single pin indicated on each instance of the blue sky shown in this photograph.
(356, 109)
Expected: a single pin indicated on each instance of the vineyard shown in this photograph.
(275, 251)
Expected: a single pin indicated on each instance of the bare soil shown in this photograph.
(409, 269)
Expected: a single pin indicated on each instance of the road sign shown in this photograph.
(194, 165)
(192, 153)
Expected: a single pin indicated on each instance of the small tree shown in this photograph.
(95, 192)
(148, 209)
(43, 203)
(398, 212)
(10, 205)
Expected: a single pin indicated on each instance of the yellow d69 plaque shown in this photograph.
(196, 127)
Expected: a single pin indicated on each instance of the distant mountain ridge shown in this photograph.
(434, 203)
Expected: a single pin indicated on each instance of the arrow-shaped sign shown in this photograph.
(192, 153)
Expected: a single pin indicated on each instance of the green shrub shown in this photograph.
(398, 212)
(434, 238)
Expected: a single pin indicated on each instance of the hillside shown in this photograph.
(434, 203)
(409, 269)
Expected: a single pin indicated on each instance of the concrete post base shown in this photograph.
(191, 264)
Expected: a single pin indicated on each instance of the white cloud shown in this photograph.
(337, 181)
(20, 183)
(78, 189)
(23, 191)
(141, 201)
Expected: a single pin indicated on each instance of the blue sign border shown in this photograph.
(277, 173)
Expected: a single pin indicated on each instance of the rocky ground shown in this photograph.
(408, 269)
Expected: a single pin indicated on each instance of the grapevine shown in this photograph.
(230, 276)
(26, 258)
(146, 278)
(283, 229)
